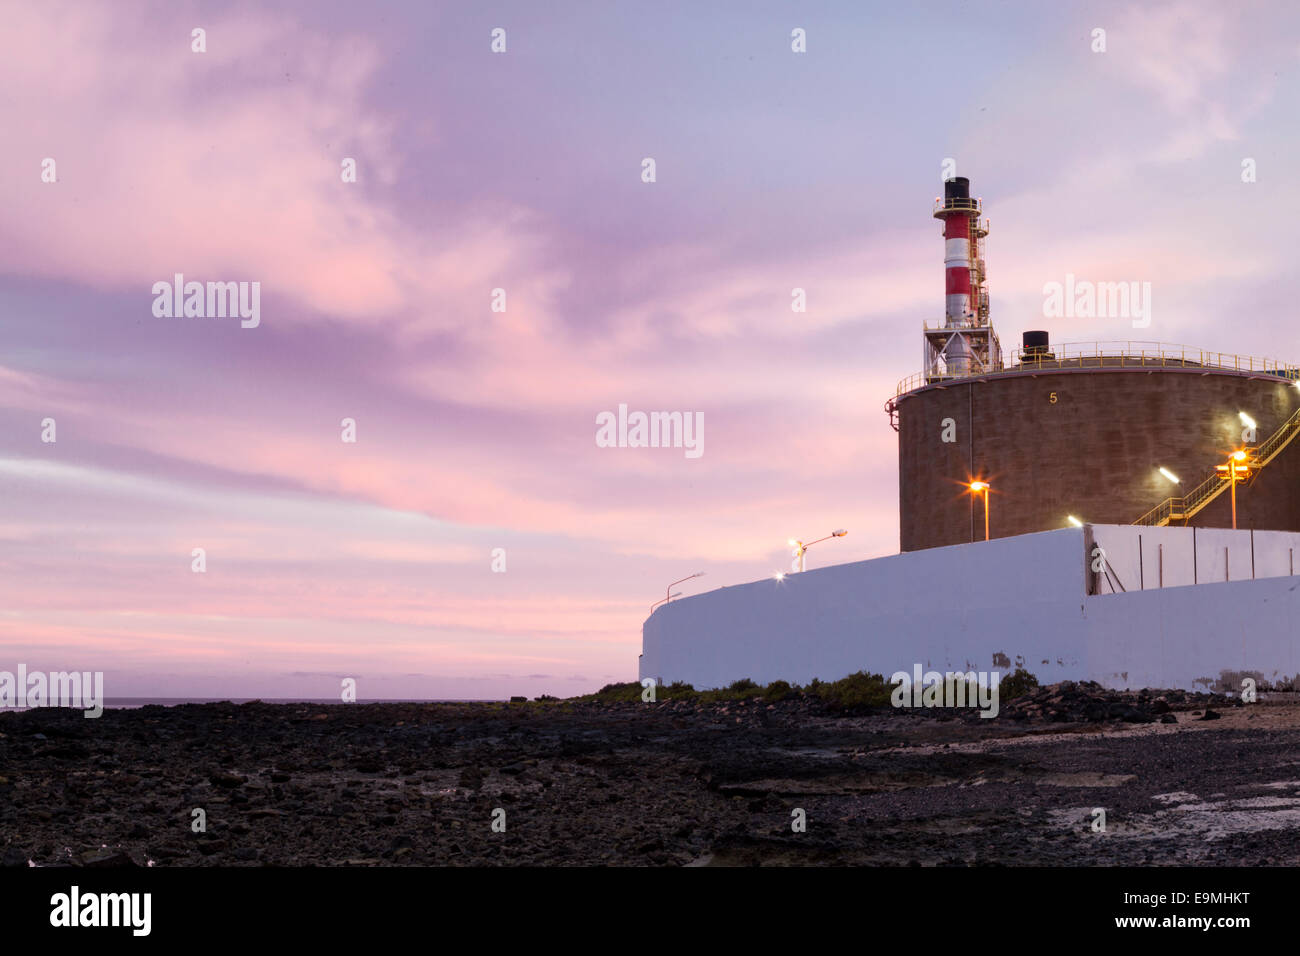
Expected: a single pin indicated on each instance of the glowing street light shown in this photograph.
(779, 576)
(977, 487)
(1074, 521)
(1237, 468)
(1246, 420)
(1170, 475)
(800, 549)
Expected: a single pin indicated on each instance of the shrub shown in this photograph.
(632, 690)
(677, 690)
(777, 690)
(1017, 685)
(858, 691)
(613, 692)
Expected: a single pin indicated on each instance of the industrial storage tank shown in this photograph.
(1102, 433)
(1083, 432)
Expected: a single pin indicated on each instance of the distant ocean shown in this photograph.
(127, 703)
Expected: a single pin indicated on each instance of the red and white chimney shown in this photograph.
(965, 302)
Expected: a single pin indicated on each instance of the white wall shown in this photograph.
(1274, 552)
(940, 607)
(986, 606)
(1195, 637)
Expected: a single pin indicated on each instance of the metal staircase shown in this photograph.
(1185, 507)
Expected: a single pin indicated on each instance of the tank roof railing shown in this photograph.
(1087, 355)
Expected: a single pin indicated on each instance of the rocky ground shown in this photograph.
(672, 783)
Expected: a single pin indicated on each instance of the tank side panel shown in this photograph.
(1088, 444)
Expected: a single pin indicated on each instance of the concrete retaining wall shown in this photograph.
(1140, 558)
(992, 606)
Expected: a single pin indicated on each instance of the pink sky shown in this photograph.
(522, 171)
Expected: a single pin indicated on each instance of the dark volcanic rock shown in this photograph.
(644, 784)
(1089, 702)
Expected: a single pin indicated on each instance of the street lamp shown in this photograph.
(983, 486)
(800, 549)
(668, 595)
(1237, 468)
(665, 600)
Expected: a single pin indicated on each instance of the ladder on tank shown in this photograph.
(1185, 507)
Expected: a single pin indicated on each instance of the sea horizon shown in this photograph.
(130, 703)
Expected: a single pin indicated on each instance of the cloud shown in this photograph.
(225, 165)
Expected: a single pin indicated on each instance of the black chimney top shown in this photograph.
(958, 188)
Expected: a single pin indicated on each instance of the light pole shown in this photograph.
(668, 595)
(1236, 472)
(800, 549)
(665, 600)
(983, 486)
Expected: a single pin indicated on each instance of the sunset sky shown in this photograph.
(523, 171)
